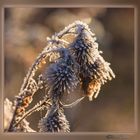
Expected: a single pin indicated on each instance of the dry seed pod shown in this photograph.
(20, 111)
(27, 100)
(93, 89)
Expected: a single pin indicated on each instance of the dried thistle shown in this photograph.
(61, 76)
(54, 121)
(68, 64)
(94, 70)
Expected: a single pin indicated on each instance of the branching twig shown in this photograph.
(46, 103)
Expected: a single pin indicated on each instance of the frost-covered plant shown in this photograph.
(68, 64)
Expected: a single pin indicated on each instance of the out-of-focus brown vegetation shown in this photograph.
(26, 30)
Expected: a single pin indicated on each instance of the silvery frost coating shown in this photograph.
(94, 70)
(61, 76)
(8, 111)
(54, 121)
(67, 64)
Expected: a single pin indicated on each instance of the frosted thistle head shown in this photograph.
(94, 70)
(61, 76)
(54, 121)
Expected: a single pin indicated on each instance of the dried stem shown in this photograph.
(46, 103)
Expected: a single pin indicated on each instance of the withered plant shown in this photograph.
(70, 59)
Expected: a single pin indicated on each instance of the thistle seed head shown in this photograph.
(54, 122)
(61, 76)
(94, 70)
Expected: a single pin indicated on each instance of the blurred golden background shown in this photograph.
(25, 35)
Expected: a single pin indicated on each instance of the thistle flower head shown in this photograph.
(54, 121)
(94, 70)
(61, 76)
(85, 51)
